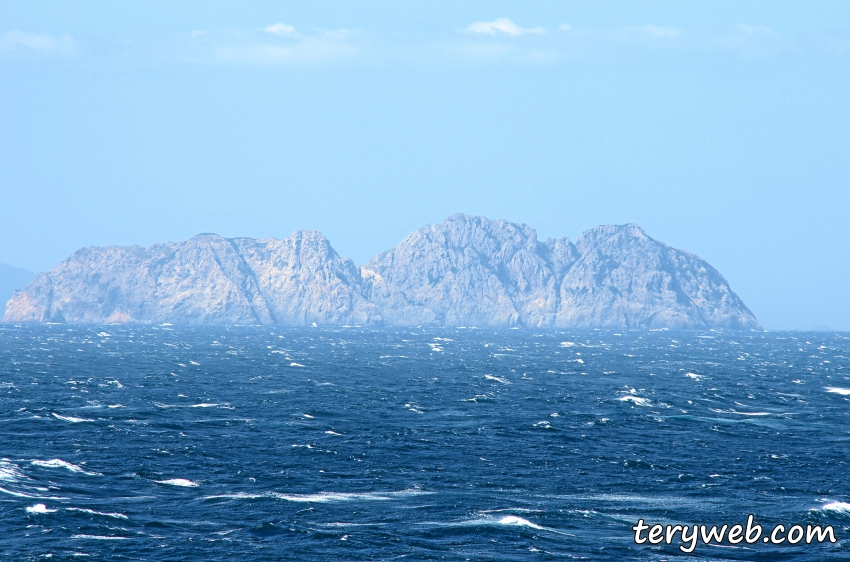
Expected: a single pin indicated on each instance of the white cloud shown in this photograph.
(756, 42)
(501, 26)
(661, 32)
(16, 41)
(326, 47)
(281, 29)
(757, 30)
(565, 27)
(482, 50)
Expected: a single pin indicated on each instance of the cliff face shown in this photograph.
(205, 280)
(467, 271)
(464, 271)
(476, 271)
(303, 280)
(624, 278)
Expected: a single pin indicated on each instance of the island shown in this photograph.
(465, 271)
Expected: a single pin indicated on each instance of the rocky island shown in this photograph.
(465, 271)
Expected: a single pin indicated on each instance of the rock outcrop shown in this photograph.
(13, 279)
(469, 271)
(205, 280)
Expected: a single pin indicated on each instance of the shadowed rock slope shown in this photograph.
(465, 271)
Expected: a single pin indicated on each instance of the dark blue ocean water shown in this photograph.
(167, 443)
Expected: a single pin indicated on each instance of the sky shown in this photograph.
(720, 127)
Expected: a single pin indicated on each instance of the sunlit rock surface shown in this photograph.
(465, 271)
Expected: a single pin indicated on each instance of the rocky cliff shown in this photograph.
(13, 279)
(205, 280)
(469, 271)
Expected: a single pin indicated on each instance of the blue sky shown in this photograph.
(722, 128)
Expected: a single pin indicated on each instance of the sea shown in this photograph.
(257, 443)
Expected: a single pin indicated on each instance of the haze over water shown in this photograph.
(142, 443)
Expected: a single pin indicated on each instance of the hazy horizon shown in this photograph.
(721, 128)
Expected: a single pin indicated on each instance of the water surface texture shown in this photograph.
(167, 443)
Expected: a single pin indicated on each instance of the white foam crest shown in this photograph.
(40, 508)
(619, 498)
(331, 497)
(519, 521)
(237, 496)
(838, 507)
(513, 509)
(30, 496)
(294, 364)
(838, 390)
(635, 399)
(204, 405)
(93, 512)
(59, 463)
(740, 413)
(476, 398)
(321, 497)
(694, 376)
(340, 524)
(100, 537)
(507, 521)
(178, 482)
(9, 472)
(497, 379)
(71, 419)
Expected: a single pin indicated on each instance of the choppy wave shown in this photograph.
(637, 400)
(93, 512)
(323, 497)
(501, 447)
(100, 537)
(730, 411)
(181, 482)
(505, 521)
(519, 522)
(29, 495)
(71, 419)
(59, 463)
(10, 472)
(40, 508)
(238, 496)
(838, 507)
(328, 497)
